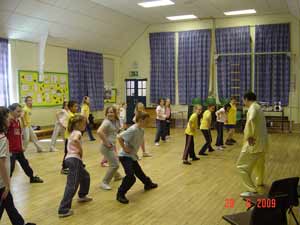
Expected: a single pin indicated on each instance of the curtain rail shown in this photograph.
(255, 53)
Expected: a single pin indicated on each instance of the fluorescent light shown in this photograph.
(240, 12)
(182, 17)
(156, 3)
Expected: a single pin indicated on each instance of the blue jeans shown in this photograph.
(219, 141)
(160, 130)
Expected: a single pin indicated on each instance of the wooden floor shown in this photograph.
(192, 195)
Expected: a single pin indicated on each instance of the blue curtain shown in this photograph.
(4, 87)
(234, 71)
(193, 65)
(162, 78)
(86, 77)
(272, 71)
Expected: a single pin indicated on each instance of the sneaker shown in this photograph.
(220, 148)
(147, 154)
(84, 199)
(93, 139)
(150, 186)
(211, 150)
(223, 146)
(248, 194)
(36, 179)
(200, 153)
(30, 223)
(105, 186)
(195, 158)
(121, 198)
(64, 171)
(156, 143)
(69, 213)
(186, 162)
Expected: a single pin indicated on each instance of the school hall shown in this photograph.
(141, 112)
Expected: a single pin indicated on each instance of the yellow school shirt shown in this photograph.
(231, 117)
(70, 115)
(85, 110)
(191, 130)
(206, 120)
(27, 116)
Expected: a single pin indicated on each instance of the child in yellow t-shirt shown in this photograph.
(231, 121)
(205, 128)
(190, 132)
(85, 111)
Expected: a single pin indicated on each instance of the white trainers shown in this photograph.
(84, 199)
(105, 186)
(220, 148)
(156, 143)
(147, 154)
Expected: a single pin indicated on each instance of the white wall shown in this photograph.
(140, 51)
(25, 57)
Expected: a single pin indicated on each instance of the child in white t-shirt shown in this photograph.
(221, 119)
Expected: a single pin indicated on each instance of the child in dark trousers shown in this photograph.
(6, 199)
(73, 107)
(130, 141)
(77, 176)
(221, 119)
(205, 128)
(190, 131)
(14, 136)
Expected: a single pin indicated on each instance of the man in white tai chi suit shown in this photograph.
(252, 156)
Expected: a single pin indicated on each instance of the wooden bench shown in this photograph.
(45, 132)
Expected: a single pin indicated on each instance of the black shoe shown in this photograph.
(211, 150)
(122, 199)
(30, 224)
(150, 186)
(200, 153)
(232, 140)
(93, 139)
(195, 159)
(36, 179)
(186, 162)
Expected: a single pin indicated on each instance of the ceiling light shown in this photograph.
(182, 17)
(240, 12)
(157, 3)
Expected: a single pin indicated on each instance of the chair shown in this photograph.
(284, 187)
(259, 216)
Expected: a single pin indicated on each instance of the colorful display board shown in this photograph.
(52, 91)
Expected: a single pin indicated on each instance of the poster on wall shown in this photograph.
(52, 91)
(110, 95)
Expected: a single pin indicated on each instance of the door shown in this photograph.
(135, 92)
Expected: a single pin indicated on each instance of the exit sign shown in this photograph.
(133, 73)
